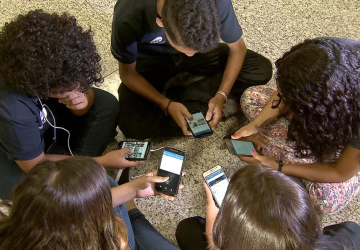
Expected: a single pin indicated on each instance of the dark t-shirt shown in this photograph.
(135, 33)
(21, 127)
(345, 235)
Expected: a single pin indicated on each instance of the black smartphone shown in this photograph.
(199, 126)
(140, 150)
(171, 165)
(217, 182)
(242, 148)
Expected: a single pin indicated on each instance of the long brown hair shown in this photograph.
(265, 209)
(63, 205)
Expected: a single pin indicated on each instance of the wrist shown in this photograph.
(133, 188)
(222, 95)
(164, 103)
(100, 160)
(275, 165)
(256, 124)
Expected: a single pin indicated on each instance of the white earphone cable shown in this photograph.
(55, 127)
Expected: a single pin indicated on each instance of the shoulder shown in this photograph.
(345, 234)
(14, 105)
(129, 12)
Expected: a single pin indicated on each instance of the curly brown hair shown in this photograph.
(43, 54)
(194, 24)
(319, 82)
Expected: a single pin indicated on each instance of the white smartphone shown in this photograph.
(216, 180)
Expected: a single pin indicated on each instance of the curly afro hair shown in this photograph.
(319, 82)
(194, 24)
(43, 54)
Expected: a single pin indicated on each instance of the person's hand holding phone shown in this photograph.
(116, 159)
(264, 160)
(145, 185)
(178, 112)
(245, 131)
(214, 113)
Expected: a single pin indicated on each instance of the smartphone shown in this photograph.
(140, 150)
(171, 165)
(242, 148)
(216, 180)
(199, 126)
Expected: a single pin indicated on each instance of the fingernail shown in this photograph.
(252, 152)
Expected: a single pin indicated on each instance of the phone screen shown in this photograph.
(171, 162)
(139, 149)
(242, 147)
(170, 166)
(218, 184)
(198, 125)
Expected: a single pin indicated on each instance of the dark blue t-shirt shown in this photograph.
(135, 33)
(21, 127)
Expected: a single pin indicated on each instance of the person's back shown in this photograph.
(265, 209)
(55, 207)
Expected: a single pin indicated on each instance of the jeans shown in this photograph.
(146, 120)
(90, 135)
(141, 234)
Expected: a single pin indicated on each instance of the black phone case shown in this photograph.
(171, 186)
(202, 135)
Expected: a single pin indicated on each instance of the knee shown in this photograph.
(105, 102)
(246, 98)
(132, 125)
(267, 70)
(325, 199)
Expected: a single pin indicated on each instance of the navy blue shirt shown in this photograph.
(135, 33)
(21, 127)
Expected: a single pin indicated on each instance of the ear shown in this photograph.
(159, 22)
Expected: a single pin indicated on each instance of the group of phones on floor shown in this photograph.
(172, 160)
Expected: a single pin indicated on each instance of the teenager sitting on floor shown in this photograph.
(311, 123)
(154, 40)
(264, 209)
(68, 205)
(48, 65)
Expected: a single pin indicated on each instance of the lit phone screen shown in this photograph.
(138, 149)
(218, 185)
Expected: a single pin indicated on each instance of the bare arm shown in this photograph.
(269, 114)
(342, 170)
(122, 194)
(233, 66)
(26, 166)
(266, 115)
(137, 83)
(113, 159)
